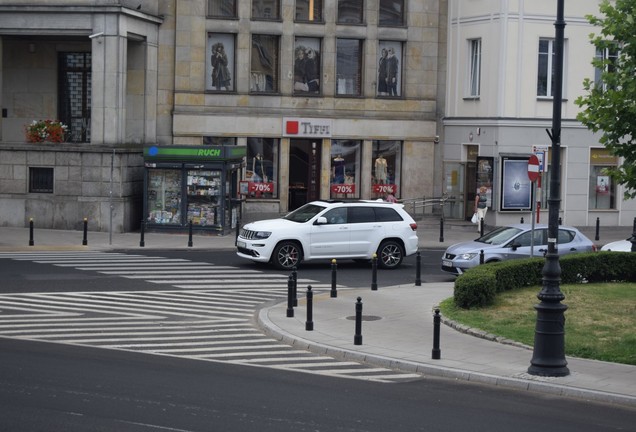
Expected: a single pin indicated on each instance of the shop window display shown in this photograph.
(204, 190)
(262, 168)
(602, 190)
(345, 163)
(164, 196)
(386, 168)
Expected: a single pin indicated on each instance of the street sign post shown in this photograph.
(534, 175)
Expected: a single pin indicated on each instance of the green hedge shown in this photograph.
(479, 285)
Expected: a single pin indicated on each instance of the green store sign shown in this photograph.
(191, 153)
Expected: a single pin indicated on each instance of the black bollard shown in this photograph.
(521, 219)
(142, 242)
(295, 285)
(31, 242)
(633, 237)
(190, 234)
(290, 297)
(85, 239)
(481, 256)
(418, 269)
(357, 338)
(436, 353)
(441, 230)
(309, 324)
(560, 221)
(598, 226)
(481, 227)
(374, 273)
(334, 274)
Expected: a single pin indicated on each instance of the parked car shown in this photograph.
(512, 242)
(618, 246)
(332, 229)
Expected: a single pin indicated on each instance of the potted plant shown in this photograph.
(46, 130)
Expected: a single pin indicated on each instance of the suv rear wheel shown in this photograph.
(287, 254)
(390, 254)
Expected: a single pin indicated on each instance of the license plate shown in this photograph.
(241, 244)
(447, 263)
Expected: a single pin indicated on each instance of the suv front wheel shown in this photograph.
(287, 255)
(390, 254)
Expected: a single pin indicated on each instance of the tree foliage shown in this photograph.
(609, 107)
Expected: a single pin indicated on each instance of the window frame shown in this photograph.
(209, 8)
(387, 21)
(276, 66)
(273, 17)
(607, 57)
(302, 80)
(474, 68)
(42, 180)
(358, 77)
(228, 41)
(310, 19)
(359, 18)
(600, 159)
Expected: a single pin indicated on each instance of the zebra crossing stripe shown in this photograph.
(206, 316)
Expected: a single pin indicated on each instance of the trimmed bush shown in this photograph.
(479, 285)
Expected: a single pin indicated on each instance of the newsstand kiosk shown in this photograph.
(190, 184)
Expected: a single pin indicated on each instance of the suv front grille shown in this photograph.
(247, 234)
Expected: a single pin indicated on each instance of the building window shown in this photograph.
(602, 190)
(606, 62)
(545, 74)
(264, 64)
(389, 69)
(345, 168)
(262, 168)
(386, 164)
(474, 68)
(222, 8)
(350, 11)
(266, 9)
(391, 13)
(74, 99)
(309, 10)
(307, 66)
(349, 67)
(40, 180)
(220, 49)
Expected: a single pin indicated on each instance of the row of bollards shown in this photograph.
(292, 301)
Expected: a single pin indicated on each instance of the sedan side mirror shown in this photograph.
(514, 246)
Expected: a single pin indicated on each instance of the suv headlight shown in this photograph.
(468, 256)
(260, 235)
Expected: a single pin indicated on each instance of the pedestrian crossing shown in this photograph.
(199, 311)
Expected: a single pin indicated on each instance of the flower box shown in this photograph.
(46, 130)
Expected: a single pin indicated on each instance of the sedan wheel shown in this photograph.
(390, 255)
(287, 255)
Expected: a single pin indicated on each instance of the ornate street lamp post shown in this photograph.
(548, 358)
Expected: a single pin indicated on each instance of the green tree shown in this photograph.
(609, 105)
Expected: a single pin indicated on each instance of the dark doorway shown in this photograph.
(74, 99)
(304, 172)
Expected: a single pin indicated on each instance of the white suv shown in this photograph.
(330, 229)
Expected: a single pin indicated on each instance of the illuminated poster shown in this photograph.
(516, 187)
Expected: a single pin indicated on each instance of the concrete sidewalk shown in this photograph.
(398, 326)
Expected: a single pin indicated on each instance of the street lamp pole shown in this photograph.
(548, 358)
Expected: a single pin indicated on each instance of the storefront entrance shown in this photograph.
(304, 171)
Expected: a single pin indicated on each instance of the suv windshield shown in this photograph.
(499, 236)
(304, 213)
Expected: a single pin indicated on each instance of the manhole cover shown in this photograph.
(365, 318)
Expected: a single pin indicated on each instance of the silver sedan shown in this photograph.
(512, 242)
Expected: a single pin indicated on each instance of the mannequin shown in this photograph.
(338, 169)
(380, 170)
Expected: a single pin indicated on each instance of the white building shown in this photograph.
(499, 106)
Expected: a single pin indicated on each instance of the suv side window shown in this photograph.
(565, 236)
(385, 214)
(336, 216)
(361, 214)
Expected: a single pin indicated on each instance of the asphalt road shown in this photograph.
(52, 387)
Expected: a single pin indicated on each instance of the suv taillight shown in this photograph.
(414, 226)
